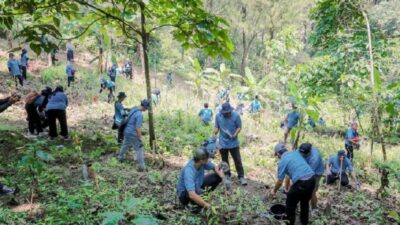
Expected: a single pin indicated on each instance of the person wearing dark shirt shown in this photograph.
(56, 110)
(32, 111)
(293, 165)
(120, 114)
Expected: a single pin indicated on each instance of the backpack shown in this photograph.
(124, 122)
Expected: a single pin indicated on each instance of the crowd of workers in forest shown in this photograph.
(299, 170)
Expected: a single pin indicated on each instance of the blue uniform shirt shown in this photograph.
(350, 134)
(334, 163)
(119, 112)
(13, 67)
(316, 162)
(191, 179)
(206, 115)
(57, 100)
(24, 59)
(69, 69)
(227, 128)
(113, 70)
(135, 121)
(293, 119)
(293, 164)
(255, 106)
(110, 84)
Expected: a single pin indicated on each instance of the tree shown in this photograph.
(136, 20)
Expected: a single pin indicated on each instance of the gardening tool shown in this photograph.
(340, 175)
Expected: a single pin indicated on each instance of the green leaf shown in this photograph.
(35, 48)
(44, 156)
(113, 59)
(106, 38)
(145, 220)
(377, 80)
(112, 218)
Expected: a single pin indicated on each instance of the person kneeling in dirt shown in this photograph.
(7, 102)
(206, 114)
(193, 182)
(314, 159)
(132, 130)
(337, 167)
(293, 165)
(110, 86)
(119, 115)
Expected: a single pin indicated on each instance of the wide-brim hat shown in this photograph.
(341, 153)
(145, 103)
(226, 108)
(121, 95)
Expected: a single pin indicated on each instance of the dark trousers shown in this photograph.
(61, 116)
(344, 181)
(34, 122)
(112, 78)
(70, 79)
(23, 70)
(301, 191)
(235, 153)
(19, 79)
(211, 181)
(70, 55)
(349, 149)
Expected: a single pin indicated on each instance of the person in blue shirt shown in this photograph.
(291, 120)
(206, 114)
(294, 166)
(108, 84)
(120, 114)
(322, 122)
(128, 69)
(70, 70)
(255, 106)
(13, 68)
(337, 168)
(315, 161)
(228, 124)
(112, 72)
(155, 96)
(352, 140)
(24, 63)
(56, 110)
(169, 78)
(193, 182)
(133, 134)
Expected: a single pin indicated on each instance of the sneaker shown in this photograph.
(243, 181)
(6, 191)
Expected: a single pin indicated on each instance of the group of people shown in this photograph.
(44, 110)
(18, 69)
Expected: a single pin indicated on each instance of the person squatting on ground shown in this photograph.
(9, 101)
(13, 68)
(337, 168)
(70, 51)
(228, 124)
(293, 165)
(119, 115)
(206, 114)
(291, 120)
(193, 182)
(24, 63)
(111, 88)
(32, 111)
(133, 134)
(56, 110)
(352, 140)
(70, 70)
(315, 161)
(112, 72)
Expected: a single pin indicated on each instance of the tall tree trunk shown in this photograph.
(144, 36)
(9, 39)
(243, 64)
(100, 64)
